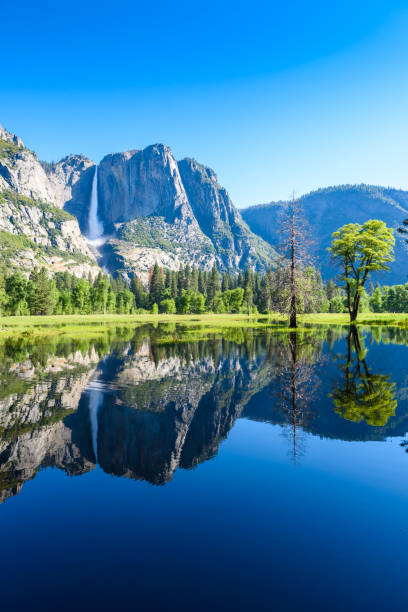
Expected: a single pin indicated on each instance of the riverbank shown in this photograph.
(84, 324)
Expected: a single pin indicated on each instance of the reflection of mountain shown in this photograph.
(164, 406)
(175, 415)
(32, 430)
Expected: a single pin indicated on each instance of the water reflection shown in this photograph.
(143, 403)
(363, 395)
(296, 382)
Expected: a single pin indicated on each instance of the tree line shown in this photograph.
(187, 290)
(293, 287)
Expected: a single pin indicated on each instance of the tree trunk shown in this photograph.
(292, 318)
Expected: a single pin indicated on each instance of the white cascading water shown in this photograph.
(95, 227)
(95, 400)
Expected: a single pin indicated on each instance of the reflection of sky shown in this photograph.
(245, 526)
(244, 530)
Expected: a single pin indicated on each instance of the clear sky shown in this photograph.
(275, 96)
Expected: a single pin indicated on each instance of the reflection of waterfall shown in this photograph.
(95, 227)
(95, 400)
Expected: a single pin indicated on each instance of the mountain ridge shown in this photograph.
(328, 208)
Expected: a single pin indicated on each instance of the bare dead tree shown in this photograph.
(295, 256)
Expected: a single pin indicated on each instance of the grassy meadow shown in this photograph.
(98, 323)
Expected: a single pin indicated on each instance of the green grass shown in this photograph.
(98, 324)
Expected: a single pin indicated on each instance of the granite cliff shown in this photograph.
(153, 209)
(35, 230)
(157, 209)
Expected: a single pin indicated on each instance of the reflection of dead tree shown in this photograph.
(297, 385)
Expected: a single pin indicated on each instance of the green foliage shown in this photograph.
(360, 250)
(168, 306)
(8, 149)
(390, 299)
(365, 396)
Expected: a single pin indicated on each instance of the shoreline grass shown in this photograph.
(99, 323)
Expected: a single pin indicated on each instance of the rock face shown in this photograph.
(157, 209)
(35, 231)
(34, 234)
(235, 244)
(139, 184)
(21, 171)
(153, 208)
(328, 209)
(71, 181)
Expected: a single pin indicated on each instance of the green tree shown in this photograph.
(156, 284)
(168, 306)
(213, 286)
(249, 295)
(198, 303)
(360, 250)
(81, 296)
(101, 294)
(376, 300)
(43, 297)
(16, 292)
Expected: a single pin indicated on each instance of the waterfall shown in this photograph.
(95, 400)
(95, 227)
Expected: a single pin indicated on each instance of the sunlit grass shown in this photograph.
(99, 324)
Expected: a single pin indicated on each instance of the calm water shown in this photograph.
(258, 471)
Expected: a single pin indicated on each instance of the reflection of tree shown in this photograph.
(297, 384)
(364, 396)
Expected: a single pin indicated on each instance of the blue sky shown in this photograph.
(275, 96)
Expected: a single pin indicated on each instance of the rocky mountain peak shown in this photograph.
(141, 183)
(9, 137)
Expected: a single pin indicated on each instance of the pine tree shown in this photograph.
(213, 286)
(202, 286)
(249, 294)
(43, 297)
(156, 284)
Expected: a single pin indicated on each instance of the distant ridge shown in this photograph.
(328, 208)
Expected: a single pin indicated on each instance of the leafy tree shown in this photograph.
(101, 294)
(198, 303)
(168, 306)
(376, 302)
(81, 296)
(219, 304)
(360, 250)
(16, 291)
(336, 304)
(233, 299)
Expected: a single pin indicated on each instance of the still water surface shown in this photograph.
(252, 471)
